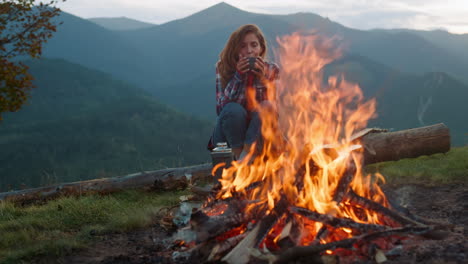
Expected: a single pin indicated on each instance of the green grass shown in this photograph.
(60, 226)
(451, 167)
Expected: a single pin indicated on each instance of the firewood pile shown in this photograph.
(240, 229)
(225, 232)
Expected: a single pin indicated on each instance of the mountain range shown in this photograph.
(178, 57)
(120, 23)
(407, 100)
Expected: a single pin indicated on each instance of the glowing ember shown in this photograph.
(307, 148)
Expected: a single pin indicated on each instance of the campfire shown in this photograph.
(303, 194)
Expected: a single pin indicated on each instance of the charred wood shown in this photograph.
(322, 233)
(291, 233)
(334, 221)
(240, 254)
(343, 184)
(208, 227)
(313, 250)
(270, 220)
(356, 199)
(222, 247)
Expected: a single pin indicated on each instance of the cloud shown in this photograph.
(360, 14)
(379, 19)
(154, 11)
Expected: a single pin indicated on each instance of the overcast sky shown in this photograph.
(451, 15)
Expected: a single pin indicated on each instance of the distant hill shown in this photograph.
(120, 23)
(455, 44)
(407, 100)
(83, 124)
(86, 43)
(65, 89)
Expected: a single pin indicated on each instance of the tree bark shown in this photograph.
(410, 143)
(167, 179)
(378, 146)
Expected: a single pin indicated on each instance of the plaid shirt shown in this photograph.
(236, 87)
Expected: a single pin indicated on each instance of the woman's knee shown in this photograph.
(234, 110)
(232, 122)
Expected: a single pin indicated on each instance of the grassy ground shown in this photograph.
(451, 167)
(68, 223)
(59, 226)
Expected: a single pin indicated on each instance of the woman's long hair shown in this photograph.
(230, 55)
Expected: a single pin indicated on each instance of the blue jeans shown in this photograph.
(237, 126)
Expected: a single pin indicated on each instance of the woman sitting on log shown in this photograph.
(243, 77)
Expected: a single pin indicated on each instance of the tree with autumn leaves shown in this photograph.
(25, 26)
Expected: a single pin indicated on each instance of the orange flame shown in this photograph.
(307, 144)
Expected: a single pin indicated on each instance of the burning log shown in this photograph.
(167, 179)
(224, 246)
(343, 184)
(290, 233)
(376, 207)
(209, 227)
(406, 220)
(334, 221)
(313, 250)
(213, 201)
(240, 254)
